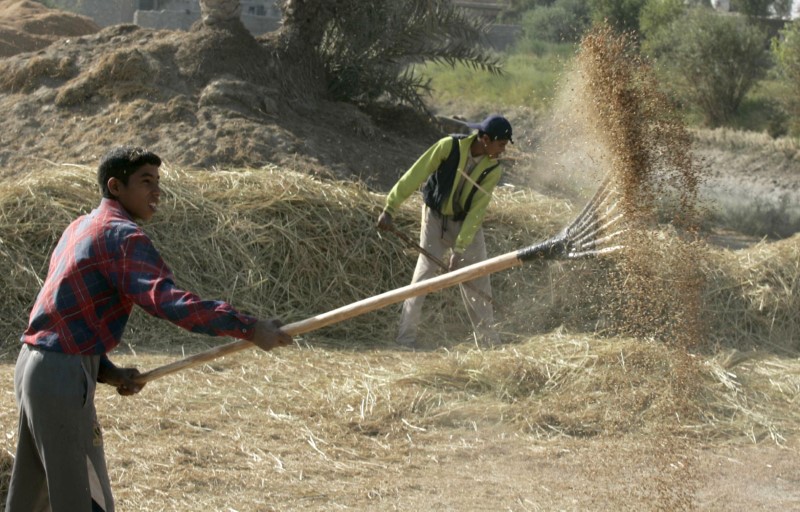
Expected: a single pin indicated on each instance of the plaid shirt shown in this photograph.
(102, 266)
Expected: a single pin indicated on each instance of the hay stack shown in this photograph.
(271, 241)
(753, 297)
(275, 242)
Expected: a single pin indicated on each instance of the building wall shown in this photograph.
(170, 14)
(181, 14)
(103, 12)
(183, 20)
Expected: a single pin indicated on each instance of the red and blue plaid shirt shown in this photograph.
(102, 266)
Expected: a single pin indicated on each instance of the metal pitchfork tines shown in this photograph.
(589, 234)
(583, 237)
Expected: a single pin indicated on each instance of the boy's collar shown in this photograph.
(113, 204)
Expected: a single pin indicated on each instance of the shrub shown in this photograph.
(564, 21)
(786, 50)
(712, 61)
(658, 14)
(366, 49)
(623, 15)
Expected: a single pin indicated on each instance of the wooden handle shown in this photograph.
(479, 269)
(441, 264)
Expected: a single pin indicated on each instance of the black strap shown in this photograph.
(461, 215)
(439, 184)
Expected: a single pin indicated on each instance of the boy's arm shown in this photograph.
(139, 273)
(477, 212)
(417, 173)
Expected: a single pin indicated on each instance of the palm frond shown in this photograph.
(369, 48)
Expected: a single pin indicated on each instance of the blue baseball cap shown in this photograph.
(495, 126)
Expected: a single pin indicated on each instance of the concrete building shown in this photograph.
(259, 16)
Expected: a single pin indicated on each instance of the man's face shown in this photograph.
(495, 148)
(141, 195)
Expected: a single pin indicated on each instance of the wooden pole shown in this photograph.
(439, 263)
(544, 250)
(559, 246)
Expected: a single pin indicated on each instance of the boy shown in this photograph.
(460, 174)
(103, 264)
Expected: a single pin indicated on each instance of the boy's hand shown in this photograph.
(120, 378)
(267, 334)
(455, 261)
(385, 222)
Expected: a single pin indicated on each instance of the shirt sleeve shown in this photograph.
(417, 174)
(139, 273)
(477, 212)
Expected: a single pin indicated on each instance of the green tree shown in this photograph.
(763, 8)
(712, 60)
(564, 21)
(752, 7)
(361, 51)
(623, 15)
(517, 8)
(786, 51)
(658, 14)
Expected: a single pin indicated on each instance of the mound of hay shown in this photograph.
(213, 97)
(582, 386)
(276, 242)
(753, 296)
(271, 241)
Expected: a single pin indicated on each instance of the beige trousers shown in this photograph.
(437, 235)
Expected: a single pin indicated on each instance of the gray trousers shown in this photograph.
(60, 463)
(436, 237)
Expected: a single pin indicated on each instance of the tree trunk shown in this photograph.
(215, 12)
(304, 26)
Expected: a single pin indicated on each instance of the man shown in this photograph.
(460, 174)
(102, 265)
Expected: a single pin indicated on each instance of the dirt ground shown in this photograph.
(296, 430)
(184, 96)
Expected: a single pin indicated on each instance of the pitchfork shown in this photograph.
(436, 261)
(586, 236)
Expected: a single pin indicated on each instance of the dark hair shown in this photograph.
(120, 163)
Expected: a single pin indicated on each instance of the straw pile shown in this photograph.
(271, 241)
(275, 242)
(753, 296)
(27, 26)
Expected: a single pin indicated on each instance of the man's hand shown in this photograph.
(267, 334)
(455, 261)
(385, 221)
(121, 378)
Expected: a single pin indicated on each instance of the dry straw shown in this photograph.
(271, 241)
(285, 429)
(289, 427)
